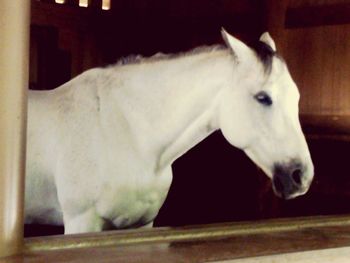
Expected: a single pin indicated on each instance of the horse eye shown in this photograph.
(263, 98)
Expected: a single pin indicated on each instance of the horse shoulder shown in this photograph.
(41, 157)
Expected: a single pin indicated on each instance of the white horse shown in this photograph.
(100, 147)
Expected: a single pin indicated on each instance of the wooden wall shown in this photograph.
(319, 60)
(316, 45)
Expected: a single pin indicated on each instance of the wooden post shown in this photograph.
(14, 39)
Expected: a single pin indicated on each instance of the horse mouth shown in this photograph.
(290, 195)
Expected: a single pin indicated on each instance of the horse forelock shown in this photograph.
(265, 55)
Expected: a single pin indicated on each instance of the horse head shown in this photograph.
(258, 113)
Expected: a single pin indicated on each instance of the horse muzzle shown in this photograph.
(291, 180)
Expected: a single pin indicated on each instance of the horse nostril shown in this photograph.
(296, 175)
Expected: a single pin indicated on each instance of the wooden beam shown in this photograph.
(305, 3)
(60, 15)
(326, 125)
(335, 14)
(14, 32)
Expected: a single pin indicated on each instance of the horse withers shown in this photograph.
(101, 146)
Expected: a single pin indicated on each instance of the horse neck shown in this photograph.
(175, 107)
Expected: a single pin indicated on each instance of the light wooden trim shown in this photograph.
(14, 35)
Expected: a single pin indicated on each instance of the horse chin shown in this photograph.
(289, 195)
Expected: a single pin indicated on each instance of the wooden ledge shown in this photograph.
(194, 233)
(334, 255)
(326, 126)
(193, 244)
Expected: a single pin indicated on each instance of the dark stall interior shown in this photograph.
(215, 182)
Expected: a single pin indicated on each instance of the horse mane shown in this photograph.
(137, 59)
(264, 53)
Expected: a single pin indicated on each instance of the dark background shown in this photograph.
(213, 182)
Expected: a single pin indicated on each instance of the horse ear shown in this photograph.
(267, 39)
(238, 48)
